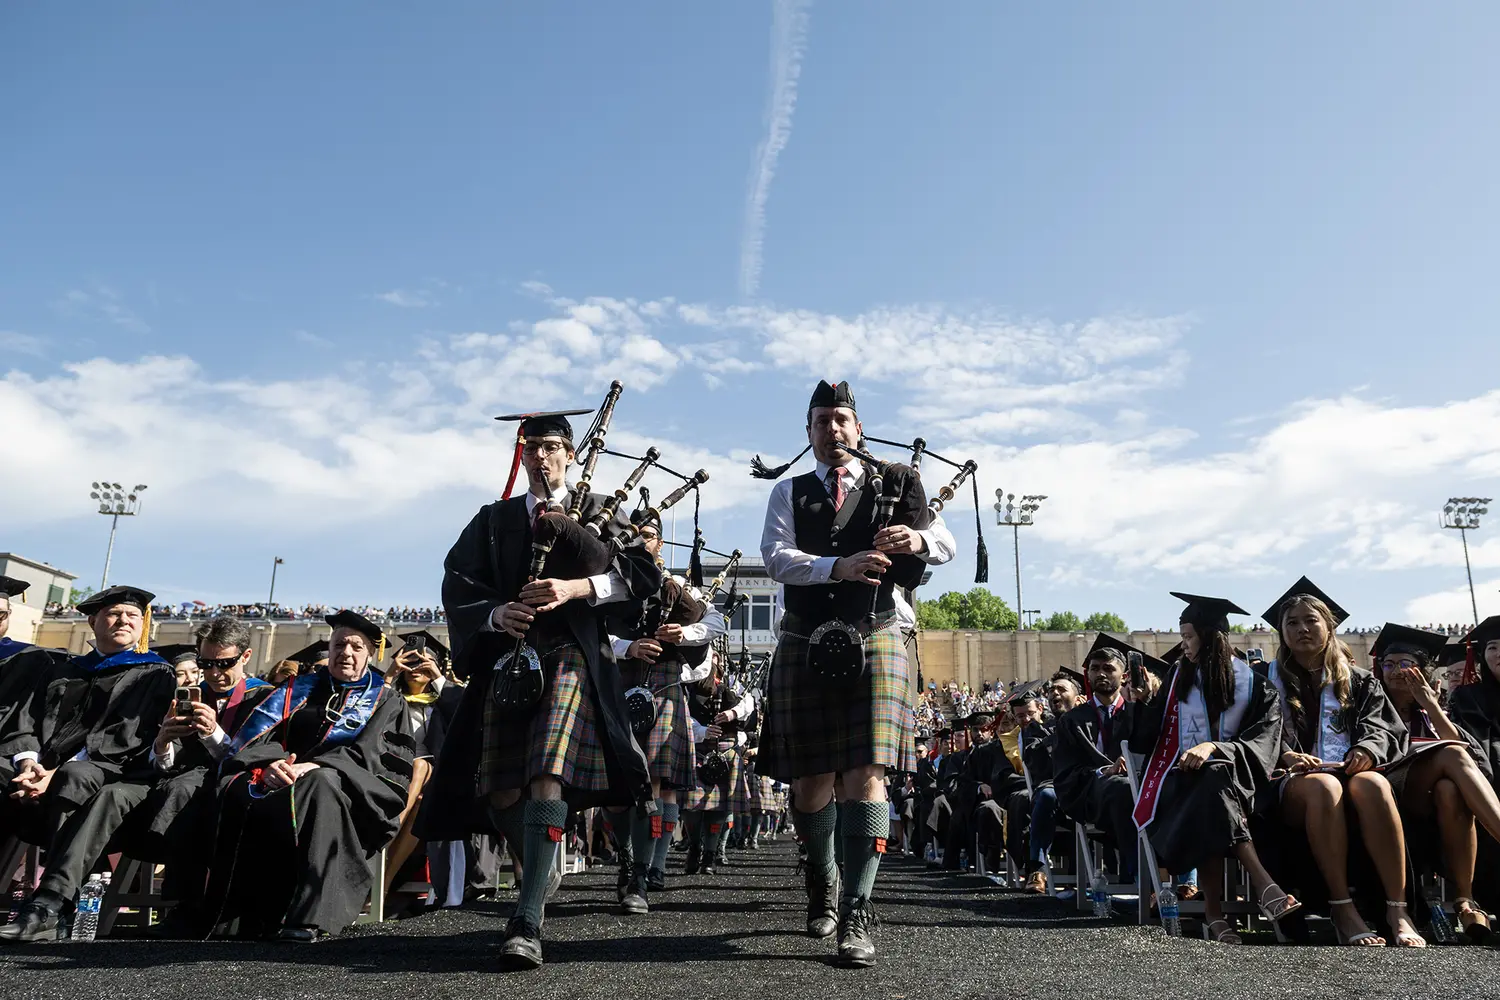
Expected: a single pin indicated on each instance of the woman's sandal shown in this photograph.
(1283, 906)
(1404, 939)
(1477, 928)
(1188, 892)
(1227, 936)
(1355, 939)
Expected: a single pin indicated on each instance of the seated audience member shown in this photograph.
(184, 660)
(1212, 736)
(1338, 728)
(961, 787)
(88, 723)
(1032, 811)
(315, 787)
(1087, 766)
(1474, 703)
(926, 792)
(20, 662)
(995, 769)
(1439, 789)
(417, 673)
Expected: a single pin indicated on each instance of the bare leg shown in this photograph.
(1460, 839)
(405, 842)
(1315, 803)
(1211, 881)
(1386, 842)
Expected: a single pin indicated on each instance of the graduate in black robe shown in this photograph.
(87, 723)
(1211, 736)
(314, 789)
(1475, 706)
(20, 662)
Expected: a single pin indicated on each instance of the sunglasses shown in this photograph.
(223, 663)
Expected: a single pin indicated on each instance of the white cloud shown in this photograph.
(15, 342)
(101, 304)
(405, 299)
(1452, 607)
(788, 46)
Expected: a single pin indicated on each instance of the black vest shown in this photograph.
(701, 707)
(822, 532)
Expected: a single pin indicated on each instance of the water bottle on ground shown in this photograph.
(1099, 893)
(86, 917)
(1166, 904)
(1442, 924)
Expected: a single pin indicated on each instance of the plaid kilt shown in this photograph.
(720, 796)
(745, 784)
(559, 739)
(811, 728)
(765, 795)
(669, 745)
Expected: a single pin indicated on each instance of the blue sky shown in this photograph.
(1218, 281)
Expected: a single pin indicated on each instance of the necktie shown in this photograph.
(836, 485)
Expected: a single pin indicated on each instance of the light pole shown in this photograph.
(114, 501)
(271, 597)
(1463, 513)
(1031, 614)
(1007, 513)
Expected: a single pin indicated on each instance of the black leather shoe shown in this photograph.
(635, 897)
(656, 880)
(36, 921)
(522, 949)
(622, 878)
(822, 905)
(300, 935)
(856, 944)
(694, 857)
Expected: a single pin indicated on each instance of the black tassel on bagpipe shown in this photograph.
(981, 554)
(695, 560)
(760, 470)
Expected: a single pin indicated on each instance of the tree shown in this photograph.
(978, 610)
(1104, 621)
(77, 594)
(1061, 621)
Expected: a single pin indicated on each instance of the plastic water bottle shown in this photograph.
(86, 920)
(1442, 924)
(1099, 893)
(1166, 905)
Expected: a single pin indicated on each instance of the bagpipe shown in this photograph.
(565, 546)
(715, 762)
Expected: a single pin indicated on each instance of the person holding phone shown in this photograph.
(1212, 733)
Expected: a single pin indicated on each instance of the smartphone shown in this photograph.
(416, 644)
(1137, 670)
(185, 701)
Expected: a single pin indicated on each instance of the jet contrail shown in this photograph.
(788, 44)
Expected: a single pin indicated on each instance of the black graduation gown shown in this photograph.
(1475, 708)
(485, 569)
(1076, 758)
(1202, 814)
(110, 707)
(298, 857)
(1037, 742)
(19, 671)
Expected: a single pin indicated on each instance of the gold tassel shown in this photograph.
(145, 640)
(380, 650)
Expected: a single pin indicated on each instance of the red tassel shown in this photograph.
(1471, 669)
(879, 845)
(515, 465)
(656, 827)
(555, 834)
(715, 827)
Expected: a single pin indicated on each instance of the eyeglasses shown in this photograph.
(546, 448)
(1402, 664)
(222, 663)
(4, 615)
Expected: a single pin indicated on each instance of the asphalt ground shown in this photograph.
(739, 934)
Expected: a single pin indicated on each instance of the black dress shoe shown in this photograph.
(635, 896)
(656, 880)
(522, 949)
(35, 922)
(300, 935)
(822, 905)
(856, 945)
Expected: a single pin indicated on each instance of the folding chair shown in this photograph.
(132, 886)
(16, 853)
(1087, 838)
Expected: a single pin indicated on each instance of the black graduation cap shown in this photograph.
(1106, 641)
(545, 423)
(978, 719)
(1172, 655)
(1393, 636)
(1026, 692)
(826, 394)
(1456, 651)
(433, 643)
(1484, 633)
(357, 622)
(1207, 614)
(175, 652)
(1303, 587)
(1079, 679)
(944, 731)
(10, 586)
(308, 655)
(111, 596)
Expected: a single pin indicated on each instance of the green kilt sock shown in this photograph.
(544, 834)
(713, 833)
(642, 846)
(866, 826)
(816, 831)
(509, 821)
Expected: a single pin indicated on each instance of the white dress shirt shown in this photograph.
(700, 633)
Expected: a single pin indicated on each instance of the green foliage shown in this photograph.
(1060, 621)
(978, 610)
(1104, 621)
(1239, 628)
(79, 594)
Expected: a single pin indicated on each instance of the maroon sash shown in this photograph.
(1162, 759)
